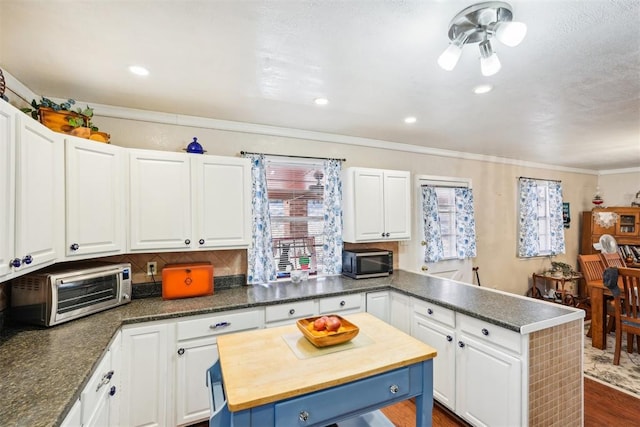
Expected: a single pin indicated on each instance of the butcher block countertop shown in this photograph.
(260, 367)
(43, 370)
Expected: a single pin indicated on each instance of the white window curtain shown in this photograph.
(465, 224)
(433, 250)
(332, 217)
(540, 209)
(261, 265)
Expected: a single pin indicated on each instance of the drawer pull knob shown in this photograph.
(187, 242)
(74, 246)
(394, 389)
(485, 332)
(292, 311)
(449, 338)
(27, 259)
(303, 416)
(112, 390)
(201, 241)
(342, 303)
(16, 262)
(460, 344)
(220, 325)
(429, 311)
(181, 351)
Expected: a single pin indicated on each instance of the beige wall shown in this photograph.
(619, 189)
(494, 186)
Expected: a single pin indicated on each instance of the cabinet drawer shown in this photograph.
(340, 303)
(491, 333)
(96, 388)
(435, 312)
(222, 323)
(294, 310)
(325, 405)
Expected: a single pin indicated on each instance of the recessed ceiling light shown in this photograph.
(410, 120)
(321, 101)
(138, 70)
(480, 89)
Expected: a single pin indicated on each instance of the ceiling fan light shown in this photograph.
(449, 58)
(511, 33)
(489, 62)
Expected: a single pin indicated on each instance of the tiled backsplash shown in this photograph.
(225, 263)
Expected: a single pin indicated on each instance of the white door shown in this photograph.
(222, 196)
(95, 198)
(160, 200)
(39, 194)
(397, 205)
(7, 185)
(192, 393)
(488, 384)
(369, 204)
(145, 376)
(444, 365)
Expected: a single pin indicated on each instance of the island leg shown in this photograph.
(424, 401)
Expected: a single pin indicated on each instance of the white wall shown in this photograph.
(494, 186)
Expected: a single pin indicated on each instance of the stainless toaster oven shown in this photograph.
(62, 293)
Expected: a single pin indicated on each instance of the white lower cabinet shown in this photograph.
(378, 305)
(195, 351)
(400, 312)
(285, 314)
(480, 367)
(145, 373)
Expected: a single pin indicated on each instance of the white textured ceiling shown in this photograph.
(569, 95)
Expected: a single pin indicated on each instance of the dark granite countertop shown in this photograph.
(43, 371)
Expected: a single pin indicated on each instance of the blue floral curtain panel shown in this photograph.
(555, 218)
(528, 219)
(433, 250)
(261, 264)
(465, 224)
(332, 249)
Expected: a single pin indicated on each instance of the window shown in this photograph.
(447, 213)
(541, 230)
(295, 190)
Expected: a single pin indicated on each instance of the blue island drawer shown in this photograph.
(323, 406)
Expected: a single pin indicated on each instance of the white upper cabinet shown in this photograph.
(95, 196)
(376, 205)
(187, 201)
(160, 200)
(7, 185)
(222, 201)
(39, 193)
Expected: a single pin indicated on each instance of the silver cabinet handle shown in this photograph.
(220, 325)
(394, 389)
(105, 380)
(303, 416)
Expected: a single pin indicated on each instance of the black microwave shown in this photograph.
(366, 263)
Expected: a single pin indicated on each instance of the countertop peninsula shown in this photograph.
(44, 370)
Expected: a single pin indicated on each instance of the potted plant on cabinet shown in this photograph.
(61, 118)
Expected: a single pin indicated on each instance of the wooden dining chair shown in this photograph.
(612, 260)
(592, 269)
(627, 311)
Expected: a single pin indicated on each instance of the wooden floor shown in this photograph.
(604, 407)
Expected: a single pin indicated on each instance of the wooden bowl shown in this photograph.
(346, 332)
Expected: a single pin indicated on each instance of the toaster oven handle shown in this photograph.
(101, 273)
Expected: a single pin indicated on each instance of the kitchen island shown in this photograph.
(266, 379)
(44, 370)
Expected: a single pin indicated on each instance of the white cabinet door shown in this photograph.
(7, 185)
(397, 205)
(376, 205)
(400, 312)
(443, 339)
(95, 195)
(378, 305)
(39, 235)
(488, 384)
(222, 201)
(369, 204)
(145, 376)
(160, 200)
(192, 393)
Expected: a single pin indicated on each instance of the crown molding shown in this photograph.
(618, 171)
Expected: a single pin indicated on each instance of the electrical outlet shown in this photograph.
(152, 268)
